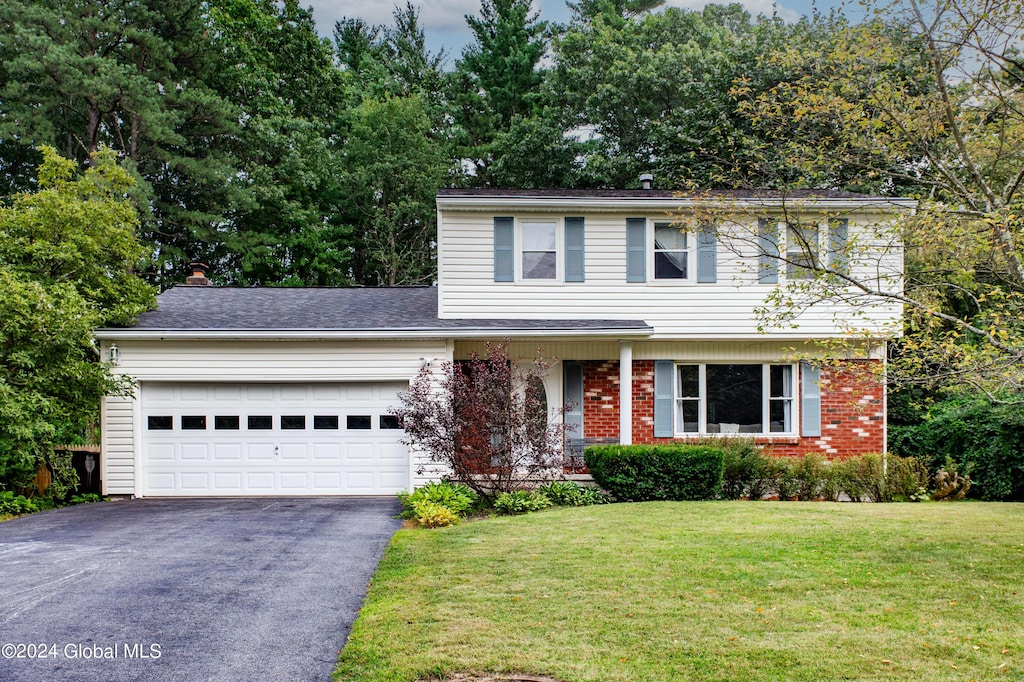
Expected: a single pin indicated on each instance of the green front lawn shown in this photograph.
(704, 591)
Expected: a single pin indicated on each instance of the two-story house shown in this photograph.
(652, 326)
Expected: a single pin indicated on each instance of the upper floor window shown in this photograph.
(671, 252)
(664, 251)
(801, 251)
(540, 250)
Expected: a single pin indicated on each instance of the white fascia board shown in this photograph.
(627, 204)
(330, 335)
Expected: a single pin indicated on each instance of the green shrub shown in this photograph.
(455, 496)
(743, 464)
(433, 515)
(521, 501)
(779, 477)
(981, 437)
(832, 482)
(810, 474)
(863, 478)
(572, 494)
(15, 505)
(907, 480)
(657, 472)
(85, 498)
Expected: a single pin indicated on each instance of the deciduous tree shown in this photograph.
(67, 253)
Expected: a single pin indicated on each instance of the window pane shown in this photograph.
(538, 236)
(670, 258)
(193, 423)
(160, 423)
(325, 421)
(390, 421)
(359, 421)
(293, 422)
(260, 422)
(734, 398)
(539, 265)
(668, 238)
(782, 381)
(226, 423)
(689, 381)
(781, 416)
(689, 419)
(670, 265)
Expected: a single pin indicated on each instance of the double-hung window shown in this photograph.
(734, 398)
(540, 249)
(671, 252)
(801, 251)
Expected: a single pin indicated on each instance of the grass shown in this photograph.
(703, 591)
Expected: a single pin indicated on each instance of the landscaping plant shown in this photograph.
(521, 501)
(437, 504)
(485, 420)
(572, 494)
(743, 463)
(634, 473)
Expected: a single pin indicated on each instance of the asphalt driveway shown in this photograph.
(199, 589)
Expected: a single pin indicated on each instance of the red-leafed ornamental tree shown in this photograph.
(485, 421)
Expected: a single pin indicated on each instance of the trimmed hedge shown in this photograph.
(635, 473)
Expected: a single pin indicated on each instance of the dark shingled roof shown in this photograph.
(209, 308)
(651, 193)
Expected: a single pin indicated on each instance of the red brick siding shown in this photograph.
(852, 410)
(601, 399)
(852, 414)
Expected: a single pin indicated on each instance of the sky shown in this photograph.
(445, 24)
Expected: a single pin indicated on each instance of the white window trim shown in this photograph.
(559, 222)
(691, 258)
(766, 399)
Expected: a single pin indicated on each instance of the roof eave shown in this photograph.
(364, 334)
(620, 204)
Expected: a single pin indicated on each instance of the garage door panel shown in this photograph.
(194, 452)
(294, 451)
(227, 452)
(259, 452)
(224, 481)
(327, 452)
(162, 452)
(259, 481)
(195, 481)
(340, 447)
(160, 482)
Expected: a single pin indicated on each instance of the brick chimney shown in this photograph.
(198, 277)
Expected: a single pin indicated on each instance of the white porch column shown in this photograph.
(625, 393)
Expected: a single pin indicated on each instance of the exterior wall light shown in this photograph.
(114, 354)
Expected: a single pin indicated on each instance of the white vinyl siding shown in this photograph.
(720, 310)
(117, 455)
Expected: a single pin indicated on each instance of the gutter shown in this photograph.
(629, 204)
(373, 334)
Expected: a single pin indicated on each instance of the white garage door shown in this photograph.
(271, 439)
